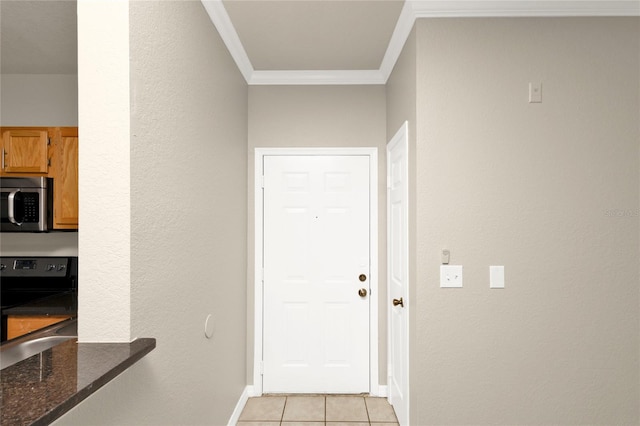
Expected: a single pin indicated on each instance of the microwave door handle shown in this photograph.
(12, 206)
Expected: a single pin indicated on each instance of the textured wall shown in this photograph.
(38, 100)
(189, 212)
(188, 225)
(320, 116)
(104, 171)
(550, 191)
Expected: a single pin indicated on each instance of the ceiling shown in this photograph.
(314, 34)
(281, 41)
(39, 37)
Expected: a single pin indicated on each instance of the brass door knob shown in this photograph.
(397, 302)
(362, 292)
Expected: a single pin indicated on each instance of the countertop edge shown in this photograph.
(145, 344)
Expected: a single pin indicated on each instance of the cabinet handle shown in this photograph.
(2, 158)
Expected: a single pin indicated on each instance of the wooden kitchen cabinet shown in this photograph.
(17, 325)
(65, 178)
(50, 152)
(25, 152)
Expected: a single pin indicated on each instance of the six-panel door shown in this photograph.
(316, 247)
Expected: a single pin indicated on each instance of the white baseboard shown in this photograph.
(382, 391)
(235, 416)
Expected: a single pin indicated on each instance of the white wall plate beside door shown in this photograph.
(451, 276)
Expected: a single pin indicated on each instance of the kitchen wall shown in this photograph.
(550, 191)
(34, 244)
(319, 116)
(188, 162)
(39, 100)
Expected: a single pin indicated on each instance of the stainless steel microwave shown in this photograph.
(26, 204)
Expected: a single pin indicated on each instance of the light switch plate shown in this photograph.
(496, 276)
(535, 93)
(450, 276)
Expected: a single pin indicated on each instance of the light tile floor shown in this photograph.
(319, 410)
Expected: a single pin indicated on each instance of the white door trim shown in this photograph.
(260, 153)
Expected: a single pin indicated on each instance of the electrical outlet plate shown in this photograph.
(496, 276)
(450, 276)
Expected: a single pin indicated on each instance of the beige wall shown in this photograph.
(319, 116)
(39, 244)
(550, 191)
(188, 225)
(38, 100)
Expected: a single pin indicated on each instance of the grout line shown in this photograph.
(366, 407)
(325, 410)
(284, 407)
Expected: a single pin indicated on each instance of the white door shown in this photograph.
(316, 252)
(398, 273)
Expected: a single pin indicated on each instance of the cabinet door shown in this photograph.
(19, 325)
(25, 151)
(65, 188)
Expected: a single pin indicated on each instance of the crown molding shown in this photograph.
(398, 39)
(414, 9)
(220, 18)
(411, 10)
(523, 8)
(321, 77)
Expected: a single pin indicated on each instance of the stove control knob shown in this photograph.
(51, 267)
(62, 267)
(3, 266)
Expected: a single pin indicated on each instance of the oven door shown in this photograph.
(23, 210)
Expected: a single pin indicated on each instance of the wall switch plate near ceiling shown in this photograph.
(450, 276)
(535, 93)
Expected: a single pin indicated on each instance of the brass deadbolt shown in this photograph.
(362, 277)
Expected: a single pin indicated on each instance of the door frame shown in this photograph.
(260, 153)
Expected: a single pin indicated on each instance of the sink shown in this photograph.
(24, 347)
(27, 349)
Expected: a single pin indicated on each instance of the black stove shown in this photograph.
(25, 280)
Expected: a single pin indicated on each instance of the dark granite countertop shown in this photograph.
(42, 388)
(59, 304)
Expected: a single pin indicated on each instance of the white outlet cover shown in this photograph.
(451, 276)
(496, 276)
